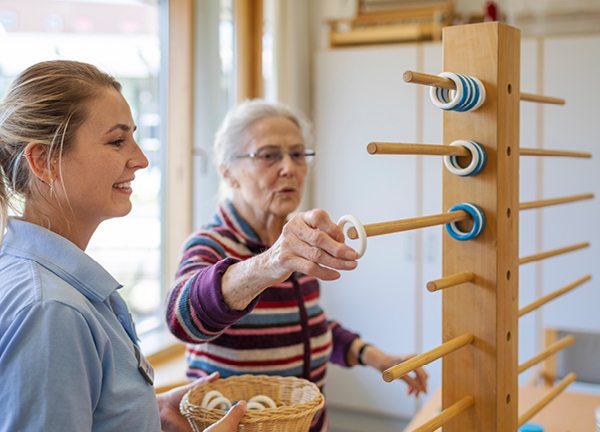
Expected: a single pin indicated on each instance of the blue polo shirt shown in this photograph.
(67, 358)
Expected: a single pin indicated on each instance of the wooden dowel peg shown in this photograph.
(554, 201)
(545, 299)
(402, 369)
(547, 399)
(427, 79)
(450, 281)
(552, 253)
(447, 415)
(541, 99)
(416, 149)
(441, 82)
(410, 224)
(540, 152)
(552, 349)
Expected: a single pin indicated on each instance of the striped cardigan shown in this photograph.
(283, 331)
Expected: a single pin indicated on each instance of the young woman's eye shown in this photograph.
(117, 143)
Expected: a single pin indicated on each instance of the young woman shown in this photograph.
(69, 355)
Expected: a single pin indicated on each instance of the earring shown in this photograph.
(54, 161)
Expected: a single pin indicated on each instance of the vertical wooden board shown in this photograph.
(486, 369)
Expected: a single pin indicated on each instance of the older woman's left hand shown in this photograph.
(376, 358)
(416, 381)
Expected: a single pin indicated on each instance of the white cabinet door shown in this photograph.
(575, 126)
(361, 97)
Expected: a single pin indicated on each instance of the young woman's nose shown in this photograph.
(138, 159)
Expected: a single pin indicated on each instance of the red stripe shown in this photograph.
(284, 304)
(230, 224)
(230, 362)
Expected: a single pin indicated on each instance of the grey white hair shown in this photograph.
(229, 139)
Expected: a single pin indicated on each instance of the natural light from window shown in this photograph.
(121, 37)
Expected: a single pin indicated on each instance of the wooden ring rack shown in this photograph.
(480, 351)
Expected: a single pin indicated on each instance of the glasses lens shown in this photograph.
(298, 156)
(268, 156)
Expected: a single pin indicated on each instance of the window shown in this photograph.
(121, 37)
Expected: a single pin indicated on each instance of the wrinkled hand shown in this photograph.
(313, 244)
(417, 380)
(171, 418)
(230, 422)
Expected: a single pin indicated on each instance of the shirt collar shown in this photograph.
(228, 216)
(61, 257)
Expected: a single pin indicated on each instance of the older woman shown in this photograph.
(69, 355)
(246, 294)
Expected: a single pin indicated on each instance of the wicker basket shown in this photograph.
(297, 402)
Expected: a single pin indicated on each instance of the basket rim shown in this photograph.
(285, 412)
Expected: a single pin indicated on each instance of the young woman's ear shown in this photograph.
(42, 164)
(228, 177)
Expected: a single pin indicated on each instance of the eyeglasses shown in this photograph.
(270, 155)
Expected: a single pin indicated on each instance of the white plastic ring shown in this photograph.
(477, 161)
(469, 94)
(482, 94)
(208, 396)
(256, 406)
(221, 400)
(264, 400)
(440, 96)
(360, 229)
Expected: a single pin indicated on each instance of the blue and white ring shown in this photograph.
(477, 161)
(478, 222)
(444, 98)
(468, 96)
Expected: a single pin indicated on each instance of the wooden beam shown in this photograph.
(450, 281)
(179, 137)
(486, 369)
(548, 297)
(248, 24)
(402, 369)
(552, 349)
(448, 414)
(410, 224)
(547, 398)
(437, 81)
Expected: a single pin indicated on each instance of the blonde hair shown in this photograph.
(47, 103)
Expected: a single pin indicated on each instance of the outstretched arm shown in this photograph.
(374, 357)
(310, 243)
